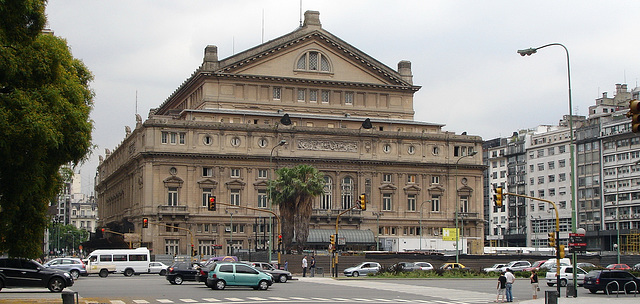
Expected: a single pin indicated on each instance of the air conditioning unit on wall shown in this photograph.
(227, 229)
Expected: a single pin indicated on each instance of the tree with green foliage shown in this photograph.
(66, 238)
(45, 102)
(293, 192)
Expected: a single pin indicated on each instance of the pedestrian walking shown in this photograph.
(312, 267)
(286, 265)
(510, 280)
(534, 283)
(502, 286)
(304, 266)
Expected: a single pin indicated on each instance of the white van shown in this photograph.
(127, 261)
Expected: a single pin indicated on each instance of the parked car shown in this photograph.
(449, 266)
(363, 269)
(597, 280)
(279, 276)
(404, 266)
(494, 268)
(551, 263)
(636, 267)
(158, 267)
(74, 266)
(16, 272)
(179, 272)
(516, 265)
(584, 265)
(536, 265)
(424, 265)
(224, 274)
(566, 275)
(618, 266)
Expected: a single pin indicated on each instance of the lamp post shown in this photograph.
(529, 52)
(458, 201)
(617, 231)
(421, 205)
(378, 215)
(231, 212)
(280, 143)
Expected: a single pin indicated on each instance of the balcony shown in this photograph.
(330, 215)
(173, 211)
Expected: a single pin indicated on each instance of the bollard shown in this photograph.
(571, 291)
(551, 297)
(68, 297)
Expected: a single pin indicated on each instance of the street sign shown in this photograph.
(577, 242)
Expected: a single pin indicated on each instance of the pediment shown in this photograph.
(235, 184)
(388, 187)
(412, 188)
(436, 189)
(261, 184)
(348, 64)
(207, 182)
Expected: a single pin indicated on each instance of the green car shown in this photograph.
(223, 274)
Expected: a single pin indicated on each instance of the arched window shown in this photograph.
(326, 195)
(347, 192)
(313, 61)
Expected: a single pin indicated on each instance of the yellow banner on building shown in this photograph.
(449, 234)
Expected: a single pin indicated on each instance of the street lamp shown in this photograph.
(231, 212)
(529, 52)
(280, 143)
(421, 209)
(378, 215)
(458, 201)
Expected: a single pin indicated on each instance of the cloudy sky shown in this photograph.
(463, 53)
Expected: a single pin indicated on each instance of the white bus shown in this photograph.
(127, 261)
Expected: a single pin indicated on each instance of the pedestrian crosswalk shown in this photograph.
(278, 300)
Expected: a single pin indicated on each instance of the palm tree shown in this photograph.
(294, 191)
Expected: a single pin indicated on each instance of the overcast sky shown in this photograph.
(463, 53)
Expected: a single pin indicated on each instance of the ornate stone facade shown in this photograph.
(219, 133)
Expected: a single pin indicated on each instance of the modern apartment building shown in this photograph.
(307, 97)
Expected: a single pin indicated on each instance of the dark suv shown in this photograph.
(29, 273)
(597, 280)
(179, 272)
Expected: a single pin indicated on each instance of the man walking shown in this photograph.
(510, 280)
(304, 266)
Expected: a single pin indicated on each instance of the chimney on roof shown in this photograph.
(404, 69)
(312, 19)
(210, 61)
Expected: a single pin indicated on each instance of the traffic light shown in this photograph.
(498, 197)
(562, 251)
(363, 202)
(145, 222)
(279, 240)
(552, 239)
(332, 240)
(193, 251)
(212, 203)
(634, 114)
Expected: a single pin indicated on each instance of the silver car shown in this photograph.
(74, 266)
(363, 269)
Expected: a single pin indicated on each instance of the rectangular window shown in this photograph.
(174, 138)
(235, 173)
(277, 93)
(411, 202)
(165, 137)
(206, 194)
(551, 165)
(301, 93)
(263, 173)
(207, 172)
(464, 204)
(182, 137)
(172, 197)
(411, 178)
(325, 96)
(235, 197)
(348, 98)
(313, 95)
(386, 202)
(435, 203)
(262, 198)
(435, 180)
(386, 178)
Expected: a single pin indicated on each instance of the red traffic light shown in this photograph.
(212, 203)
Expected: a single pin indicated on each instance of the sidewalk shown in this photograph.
(595, 299)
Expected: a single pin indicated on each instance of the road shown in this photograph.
(148, 289)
